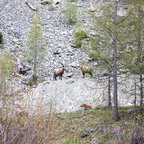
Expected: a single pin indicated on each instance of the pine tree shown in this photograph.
(36, 43)
(132, 59)
(104, 48)
(102, 44)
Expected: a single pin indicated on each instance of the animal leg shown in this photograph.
(54, 77)
(83, 75)
(91, 74)
(60, 77)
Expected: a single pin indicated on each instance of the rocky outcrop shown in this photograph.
(67, 95)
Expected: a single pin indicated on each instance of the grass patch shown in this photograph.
(79, 35)
(70, 128)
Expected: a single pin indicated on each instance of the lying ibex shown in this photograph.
(86, 69)
(58, 72)
(85, 106)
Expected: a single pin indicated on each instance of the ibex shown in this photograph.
(86, 69)
(58, 72)
(85, 106)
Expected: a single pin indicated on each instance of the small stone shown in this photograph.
(56, 53)
(84, 135)
(73, 45)
(103, 130)
(51, 8)
(56, 1)
(92, 33)
(121, 13)
(69, 74)
(93, 8)
(95, 64)
(64, 33)
(89, 130)
(116, 132)
(129, 111)
(70, 81)
(79, 5)
(75, 64)
(47, 2)
(94, 142)
(93, 136)
(46, 82)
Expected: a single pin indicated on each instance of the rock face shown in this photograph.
(66, 96)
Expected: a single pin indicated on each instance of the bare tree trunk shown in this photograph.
(141, 100)
(135, 101)
(141, 62)
(109, 85)
(109, 91)
(116, 113)
(141, 94)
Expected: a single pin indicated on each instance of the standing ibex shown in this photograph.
(58, 72)
(86, 69)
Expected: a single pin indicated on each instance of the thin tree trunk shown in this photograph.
(116, 113)
(141, 61)
(109, 84)
(135, 101)
(141, 94)
(141, 99)
(109, 90)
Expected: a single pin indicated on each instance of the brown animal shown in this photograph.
(85, 106)
(86, 69)
(58, 72)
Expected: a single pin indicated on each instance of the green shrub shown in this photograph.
(70, 12)
(79, 35)
(7, 67)
(78, 43)
(1, 37)
(47, 2)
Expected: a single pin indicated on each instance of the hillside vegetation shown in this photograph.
(81, 127)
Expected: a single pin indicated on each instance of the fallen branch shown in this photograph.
(30, 6)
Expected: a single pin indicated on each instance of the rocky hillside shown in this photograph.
(68, 94)
(16, 17)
